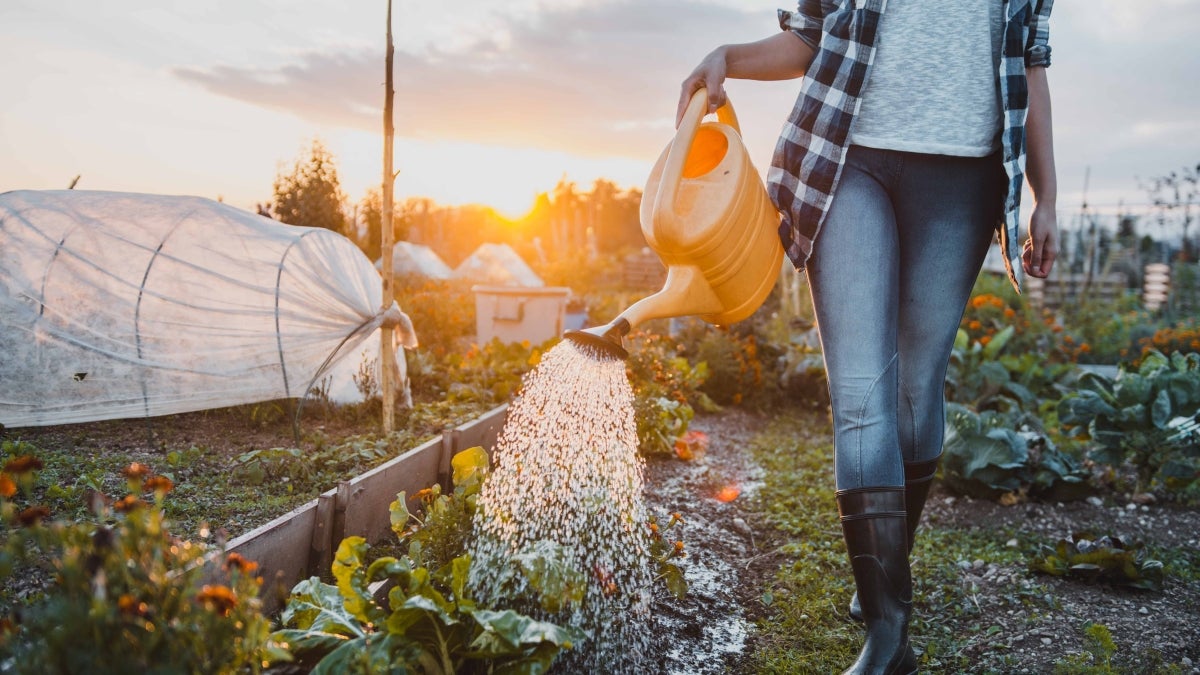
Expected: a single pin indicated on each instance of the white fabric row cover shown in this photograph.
(497, 264)
(120, 305)
(417, 260)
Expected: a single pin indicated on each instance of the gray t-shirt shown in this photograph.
(933, 87)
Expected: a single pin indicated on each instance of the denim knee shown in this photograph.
(866, 445)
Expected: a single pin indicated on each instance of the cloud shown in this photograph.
(598, 79)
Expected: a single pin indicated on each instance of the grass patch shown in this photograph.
(807, 628)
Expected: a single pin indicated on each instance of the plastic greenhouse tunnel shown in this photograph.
(120, 305)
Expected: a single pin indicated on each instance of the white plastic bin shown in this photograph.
(517, 314)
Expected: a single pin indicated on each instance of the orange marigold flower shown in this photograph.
(128, 503)
(160, 484)
(33, 515)
(425, 494)
(219, 599)
(978, 301)
(975, 325)
(985, 340)
(240, 563)
(679, 547)
(1057, 328)
(996, 302)
(1085, 348)
(136, 471)
(131, 605)
(7, 487)
(1009, 312)
(23, 464)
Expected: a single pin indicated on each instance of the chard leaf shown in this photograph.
(1160, 411)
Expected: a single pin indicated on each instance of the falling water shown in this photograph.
(568, 479)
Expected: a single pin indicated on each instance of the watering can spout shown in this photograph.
(685, 293)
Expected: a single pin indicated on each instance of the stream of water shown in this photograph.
(567, 486)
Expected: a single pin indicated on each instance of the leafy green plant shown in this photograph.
(1135, 417)
(1106, 559)
(660, 421)
(985, 457)
(429, 622)
(982, 376)
(444, 527)
(126, 595)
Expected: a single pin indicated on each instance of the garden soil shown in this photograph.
(731, 556)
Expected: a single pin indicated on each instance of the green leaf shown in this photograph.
(1153, 362)
(1131, 388)
(676, 583)
(1160, 411)
(399, 514)
(347, 569)
(999, 340)
(302, 642)
(317, 606)
(961, 339)
(508, 632)
(470, 466)
(1083, 406)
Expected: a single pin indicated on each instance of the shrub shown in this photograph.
(1138, 416)
(126, 595)
(986, 457)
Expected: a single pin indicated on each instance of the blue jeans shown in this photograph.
(891, 273)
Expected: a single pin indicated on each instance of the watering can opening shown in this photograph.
(707, 151)
(706, 213)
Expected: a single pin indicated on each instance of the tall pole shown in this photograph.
(388, 353)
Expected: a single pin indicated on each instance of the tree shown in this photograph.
(370, 215)
(1173, 195)
(311, 194)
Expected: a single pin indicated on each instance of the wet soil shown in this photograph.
(1020, 622)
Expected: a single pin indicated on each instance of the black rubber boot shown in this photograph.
(876, 532)
(918, 478)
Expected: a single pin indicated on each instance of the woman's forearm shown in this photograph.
(782, 56)
(1039, 141)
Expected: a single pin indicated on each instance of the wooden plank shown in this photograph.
(368, 496)
(281, 549)
(302, 542)
(482, 431)
(321, 552)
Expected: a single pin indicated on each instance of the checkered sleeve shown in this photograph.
(1037, 47)
(806, 21)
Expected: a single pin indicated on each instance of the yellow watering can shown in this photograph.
(707, 215)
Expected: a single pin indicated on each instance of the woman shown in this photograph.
(904, 154)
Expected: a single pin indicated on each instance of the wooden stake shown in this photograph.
(388, 354)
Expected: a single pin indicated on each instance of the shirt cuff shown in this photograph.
(1037, 56)
(805, 27)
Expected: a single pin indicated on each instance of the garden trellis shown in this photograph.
(118, 305)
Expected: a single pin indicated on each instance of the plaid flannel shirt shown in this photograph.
(811, 150)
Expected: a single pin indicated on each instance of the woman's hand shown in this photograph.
(709, 75)
(1041, 248)
(782, 56)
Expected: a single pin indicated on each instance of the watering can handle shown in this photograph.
(682, 145)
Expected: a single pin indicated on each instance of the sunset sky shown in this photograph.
(495, 100)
